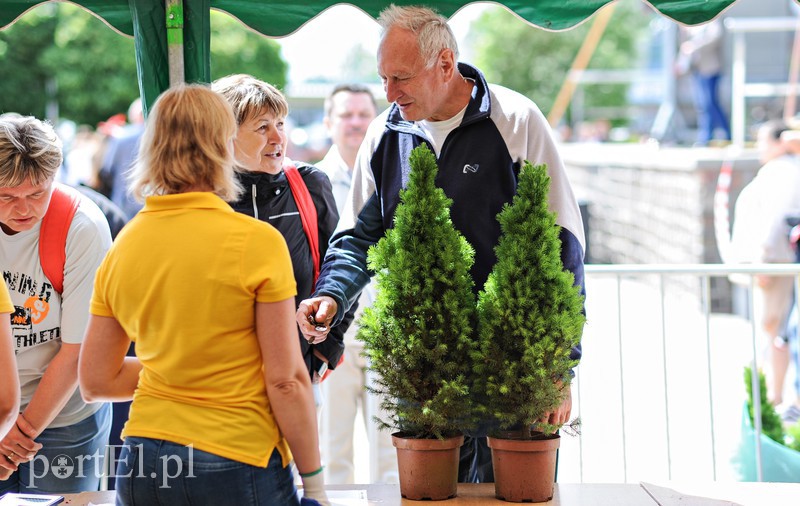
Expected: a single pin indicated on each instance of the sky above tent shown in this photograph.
(343, 27)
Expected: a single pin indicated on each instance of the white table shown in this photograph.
(574, 494)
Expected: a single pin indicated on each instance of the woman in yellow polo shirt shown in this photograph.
(220, 391)
(9, 380)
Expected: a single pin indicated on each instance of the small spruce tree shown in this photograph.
(419, 333)
(530, 315)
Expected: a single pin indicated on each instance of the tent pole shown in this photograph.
(174, 23)
(579, 63)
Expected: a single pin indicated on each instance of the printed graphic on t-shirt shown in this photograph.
(34, 311)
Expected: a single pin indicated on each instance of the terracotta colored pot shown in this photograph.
(524, 470)
(428, 468)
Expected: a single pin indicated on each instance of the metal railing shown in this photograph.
(644, 333)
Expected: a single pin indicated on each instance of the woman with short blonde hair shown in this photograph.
(260, 146)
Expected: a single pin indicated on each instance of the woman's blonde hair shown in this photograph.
(187, 143)
(30, 150)
(250, 97)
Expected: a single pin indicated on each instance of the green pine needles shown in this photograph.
(418, 335)
(445, 360)
(530, 314)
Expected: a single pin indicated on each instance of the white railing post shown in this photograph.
(629, 301)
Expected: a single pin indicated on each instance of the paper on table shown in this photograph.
(348, 497)
(14, 499)
(670, 497)
(345, 497)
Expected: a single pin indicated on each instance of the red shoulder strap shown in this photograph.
(308, 213)
(53, 233)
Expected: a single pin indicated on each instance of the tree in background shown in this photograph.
(60, 62)
(535, 62)
(23, 87)
(235, 49)
(359, 66)
(93, 67)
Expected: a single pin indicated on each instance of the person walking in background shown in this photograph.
(481, 135)
(218, 383)
(260, 152)
(761, 235)
(119, 156)
(701, 55)
(349, 109)
(55, 427)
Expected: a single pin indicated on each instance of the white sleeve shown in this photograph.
(529, 137)
(748, 231)
(88, 241)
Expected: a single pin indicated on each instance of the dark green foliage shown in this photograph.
(419, 333)
(58, 59)
(25, 78)
(771, 425)
(235, 49)
(530, 314)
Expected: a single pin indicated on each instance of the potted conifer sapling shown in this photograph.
(530, 317)
(418, 335)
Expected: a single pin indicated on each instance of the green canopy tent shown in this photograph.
(159, 25)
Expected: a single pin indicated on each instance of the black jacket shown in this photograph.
(268, 198)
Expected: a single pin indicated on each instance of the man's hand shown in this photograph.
(562, 413)
(17, 447)
(314, 317)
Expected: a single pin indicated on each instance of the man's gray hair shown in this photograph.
(432, 31)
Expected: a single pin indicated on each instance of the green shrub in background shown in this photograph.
(771, 424)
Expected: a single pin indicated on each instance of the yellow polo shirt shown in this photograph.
(182, 279)
(5, 300)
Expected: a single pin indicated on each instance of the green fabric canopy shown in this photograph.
(146, 21)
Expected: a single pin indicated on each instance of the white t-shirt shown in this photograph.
(43, 318)
(760, 232)
(437, 131)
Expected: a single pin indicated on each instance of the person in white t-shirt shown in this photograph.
(349, 109)
(761, 235)
(58, 441)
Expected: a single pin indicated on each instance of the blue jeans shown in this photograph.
(709, 111)
(71, 459)
(154, 471)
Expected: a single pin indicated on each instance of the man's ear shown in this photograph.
(447, 63)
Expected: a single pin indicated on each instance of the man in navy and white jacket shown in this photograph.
(481, 135)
